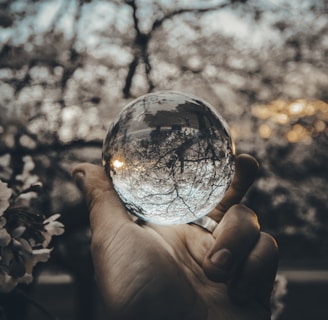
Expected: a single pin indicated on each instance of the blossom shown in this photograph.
(5, 194)
(52, 228)
(24, 236)
(7, 282)
(5, 237)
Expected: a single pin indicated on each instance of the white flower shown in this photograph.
(3, 221)
(5, 194)
(7, 283)
(27, 278)
(52, 227)
(5, 237)
(41, 255)
(20, 250)
(38, 255)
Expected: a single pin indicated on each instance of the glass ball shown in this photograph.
(170, 157)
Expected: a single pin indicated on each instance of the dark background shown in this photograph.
(68, 67)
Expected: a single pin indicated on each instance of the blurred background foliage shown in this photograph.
(68, 67)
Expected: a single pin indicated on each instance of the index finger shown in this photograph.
(246, 169)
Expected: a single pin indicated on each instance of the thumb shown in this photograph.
(107, 212)
(246, 169)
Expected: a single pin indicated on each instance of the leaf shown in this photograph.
(6, 255)
(25, 247)
(17, 268)
(5, 194)
(16, 233)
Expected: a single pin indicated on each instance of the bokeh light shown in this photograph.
(299, 121)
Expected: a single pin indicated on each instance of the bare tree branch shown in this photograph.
(158, 22)
(142, 40)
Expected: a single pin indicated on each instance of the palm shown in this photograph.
(171, 261)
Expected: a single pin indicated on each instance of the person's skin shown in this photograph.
(180, 272)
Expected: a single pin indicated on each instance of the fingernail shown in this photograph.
(222, 259)
(79, 174)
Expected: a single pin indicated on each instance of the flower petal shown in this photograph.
(27, 278)
(5, 237)
(7, 283)
(26, 248)
(41, 255)
(5, 194)
(52, 218)
(55, 228)
(3, 221)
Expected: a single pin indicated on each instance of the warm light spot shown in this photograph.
(265, 131)
(300, 130)
(292, 136)
(117, 164)
(296, 107)
(280, 118)
(262, 112)
(299, 134)
(285, 113)
(277, 105)
(320, 126)
(322, 106)
(310, 109)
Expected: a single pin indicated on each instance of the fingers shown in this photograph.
(246, 169)
(256, 275)
(235, 236)
(242, 256)
(107, 212)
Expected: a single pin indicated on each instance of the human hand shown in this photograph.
(180, 272)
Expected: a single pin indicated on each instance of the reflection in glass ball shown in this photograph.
(170, 157)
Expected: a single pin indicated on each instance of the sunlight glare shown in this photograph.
(117, 164)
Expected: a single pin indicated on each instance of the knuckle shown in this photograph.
(246, 218)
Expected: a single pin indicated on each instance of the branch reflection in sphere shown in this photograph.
(170, 156)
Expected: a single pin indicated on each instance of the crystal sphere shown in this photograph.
(170, 156)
